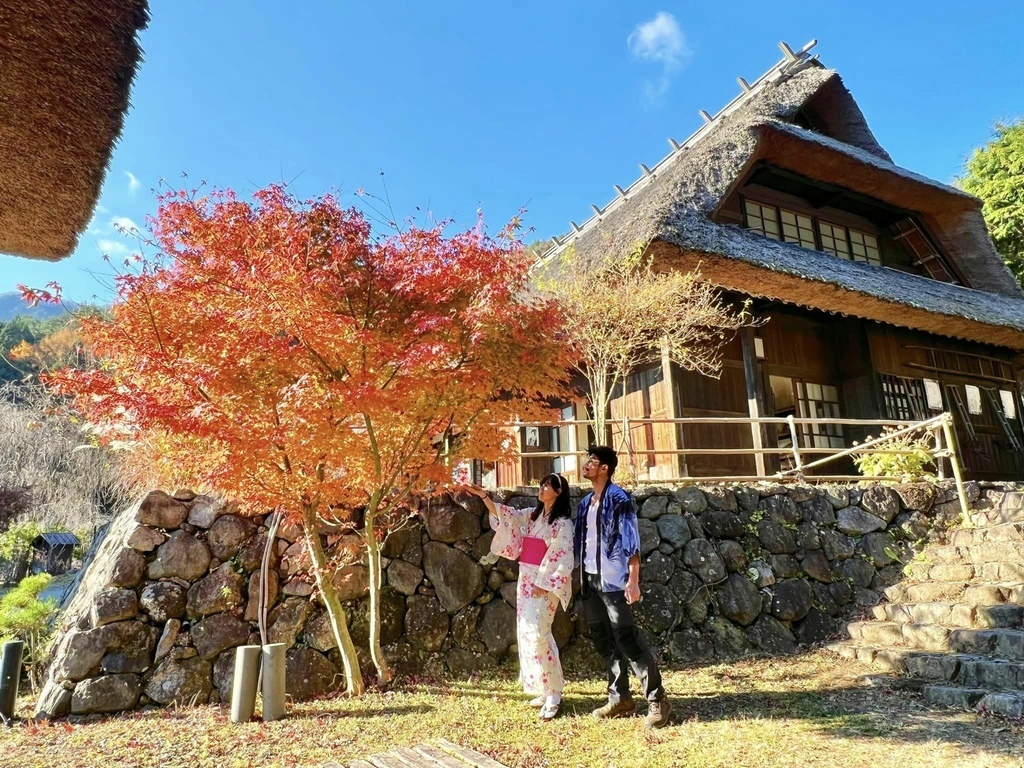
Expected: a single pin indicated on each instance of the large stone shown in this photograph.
(457, 579)
(351, 582)
(654, 507)
(917, 497)
(161, 511)
(771, 636)
(816, 565)
(838, 495)
(224, 675)
(658, 609)
(690, 645)
(463, 662)
(309, 674)
(183, 556)
(776, 539)
(657, 568)
(228, 534)
(857, 522)
(102, 695)
(497, 627)
(703, 559)
(250, 554)
(836, 545)
(824, 599)
(691, 499)
(113, 604)
(163, 600)
(793, 599)
(739, 600)
(82, 653)
(405, 543)
(879, 549)
(683, 584)
(181, 681)
(167, 638)
(464, 627)
(881, 501)
(405, 577)
(674, 530)
(818, 510)
(780, 509)
(128, 570)
(449, 523)
(218, 592)
(319, 633)
(807, 536)
(761, 574)
(130, 645)
(729, 640)
(817, 627)
(841, 592)
(747, 497)
(392, 617)
(784, 566)
(426, 623)
(858, 571)
(720, 497)
(649, 538)
(218, 633)
(146, 539)
(287, 620)
(733, 556)
(719, 524)
(204, 511)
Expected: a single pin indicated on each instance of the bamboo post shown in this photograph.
(940, 466)
(954, 460)
(244, 683)
(273, 681)
(797, 463)
(10, 677)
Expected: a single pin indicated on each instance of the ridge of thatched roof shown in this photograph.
(674, 203)
(66, 68)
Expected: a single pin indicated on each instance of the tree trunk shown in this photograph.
(373, 562)
(353, 677)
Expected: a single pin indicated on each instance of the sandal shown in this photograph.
(550, 709)
(538, 702)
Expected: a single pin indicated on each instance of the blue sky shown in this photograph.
(469, 106)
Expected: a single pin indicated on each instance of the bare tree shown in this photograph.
(622, 316)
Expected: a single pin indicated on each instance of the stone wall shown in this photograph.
(726, 571)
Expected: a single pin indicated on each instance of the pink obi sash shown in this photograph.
(534, 550)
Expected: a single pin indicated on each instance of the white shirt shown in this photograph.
(590, 557)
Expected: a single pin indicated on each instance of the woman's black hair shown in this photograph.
(561, 506)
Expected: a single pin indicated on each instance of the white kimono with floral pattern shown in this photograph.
(540, 589)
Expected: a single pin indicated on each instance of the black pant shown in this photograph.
(617, 639)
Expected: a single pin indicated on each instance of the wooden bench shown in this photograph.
(440, 754)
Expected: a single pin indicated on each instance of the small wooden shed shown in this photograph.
(52, 552)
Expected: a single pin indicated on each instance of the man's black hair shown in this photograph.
(606, 456)
(561, 507)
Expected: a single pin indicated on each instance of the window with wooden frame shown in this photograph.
(903, 398)
(762, 218)
(797, 228)
(819, 401)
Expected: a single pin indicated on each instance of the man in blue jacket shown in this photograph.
(607, 549)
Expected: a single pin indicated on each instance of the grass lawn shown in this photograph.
(811, 710)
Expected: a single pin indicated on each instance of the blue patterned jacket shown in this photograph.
(618, 534)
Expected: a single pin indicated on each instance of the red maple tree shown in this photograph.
(276, 350)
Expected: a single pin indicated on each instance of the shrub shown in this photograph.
(901, 467)
(23, 616)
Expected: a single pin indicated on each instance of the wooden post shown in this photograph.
(755, 394)
(954, 461)
(673, 434)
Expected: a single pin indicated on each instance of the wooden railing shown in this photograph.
(942, 439)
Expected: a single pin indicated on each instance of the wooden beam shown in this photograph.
(755, 394)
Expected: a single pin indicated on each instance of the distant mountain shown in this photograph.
(12, 305)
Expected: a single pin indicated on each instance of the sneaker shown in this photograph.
(538, 702)
(550, 709)
(621, 708)
(657, 714)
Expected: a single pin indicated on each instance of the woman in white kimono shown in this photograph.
(541, 540)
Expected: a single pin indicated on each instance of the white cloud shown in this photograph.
(660, 40)
(102, 209)
(123, 222)
(133, 182)
(113, 248)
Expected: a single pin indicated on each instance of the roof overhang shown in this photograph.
(760, 281)
(66, 68)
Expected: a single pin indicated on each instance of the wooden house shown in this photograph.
(880, 291)
(53, 552)
(66, 68)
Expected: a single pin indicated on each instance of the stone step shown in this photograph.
(992, 533)
(1002, 703)
(968, 670)
(974, 553)
(1002, 643)
(954, 696)
(999, 507)
(976, 593)
(953, 615)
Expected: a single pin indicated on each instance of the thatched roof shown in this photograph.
(672, 206)
(66, 67)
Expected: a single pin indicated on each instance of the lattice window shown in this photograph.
(903, 399)
(819, 401)
(797, 228)
(833, 239)
(762, 218)
(864, 247)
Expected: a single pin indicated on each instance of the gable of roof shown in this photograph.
(66, 68)
(674, 203)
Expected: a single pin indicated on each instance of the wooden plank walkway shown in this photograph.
(441, 754)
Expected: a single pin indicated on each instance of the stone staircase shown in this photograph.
(955, 625)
